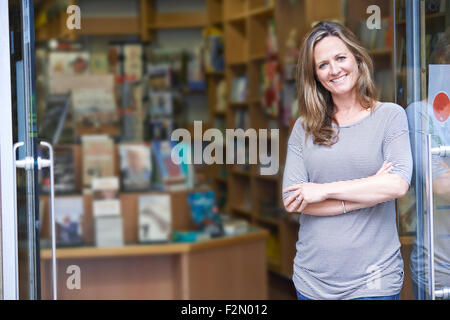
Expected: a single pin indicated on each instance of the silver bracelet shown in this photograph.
(343, 206)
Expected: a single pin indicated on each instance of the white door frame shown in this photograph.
(9, 263)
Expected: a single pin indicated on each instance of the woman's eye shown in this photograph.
(341, 58)
(322, 65)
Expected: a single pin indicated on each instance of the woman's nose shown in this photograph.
(334, 68)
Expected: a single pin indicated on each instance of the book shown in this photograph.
(204, 212)
(190, 236)
(133, 65)
(159, 76)
(155, 218)
(68, 218)
(68, 63)
(161, 129)
(239, 89)
(135, 167)
(221, 96)
(57, 125)
(270, 87)
(169, 171)
(64, 171)
(105, 196)
(62, 84)
(97, 157)
(99, 63)
(213, 50)
(94, 107)
(161, 104)
(108, 231)
(195, 79)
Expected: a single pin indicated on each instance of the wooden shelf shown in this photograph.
(242, 173)
(243, 211)
(237, 63)
(240, 18)
(380, 52)
(269, 221)
(238, 104)
(152, 249)
(221, 179)
(266, 12)
(179, 20)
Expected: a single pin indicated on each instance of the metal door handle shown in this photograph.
(441, 151)
(443, 293)
(48, 163)
(430, 212)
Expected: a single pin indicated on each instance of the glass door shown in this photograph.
(422, 33)
(22, 275)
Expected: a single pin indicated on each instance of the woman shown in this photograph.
(348, 158)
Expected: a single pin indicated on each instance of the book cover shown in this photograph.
(68, 63)
(161, 129)
(68, 218)
(161, 104)
(159, 76)
(108, 231)
(271, 87)
(94, 107)
(155, 218)
(105, 196)
(221, 96)
(239, 89)
(205, 213)
(169, 171)
(133, 66)
(135, 167)
(97, 157)
(99, 63)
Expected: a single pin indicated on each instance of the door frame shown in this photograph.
(9, 261)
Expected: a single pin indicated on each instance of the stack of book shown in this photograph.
(108, 222)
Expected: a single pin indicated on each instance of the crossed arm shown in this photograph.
(326, 199)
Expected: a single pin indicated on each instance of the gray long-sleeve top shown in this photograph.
(356, 254)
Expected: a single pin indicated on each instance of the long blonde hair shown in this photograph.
(315, 103)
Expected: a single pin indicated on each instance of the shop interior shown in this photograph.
(115, 79)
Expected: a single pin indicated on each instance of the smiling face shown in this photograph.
(335, 66)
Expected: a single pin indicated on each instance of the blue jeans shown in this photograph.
(394, 297)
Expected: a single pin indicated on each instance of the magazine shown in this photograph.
(154, 218)
(135, 167)
(68, 218)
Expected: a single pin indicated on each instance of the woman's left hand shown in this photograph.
(311, 192)
(306, 192)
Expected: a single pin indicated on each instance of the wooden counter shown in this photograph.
(232, 267)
